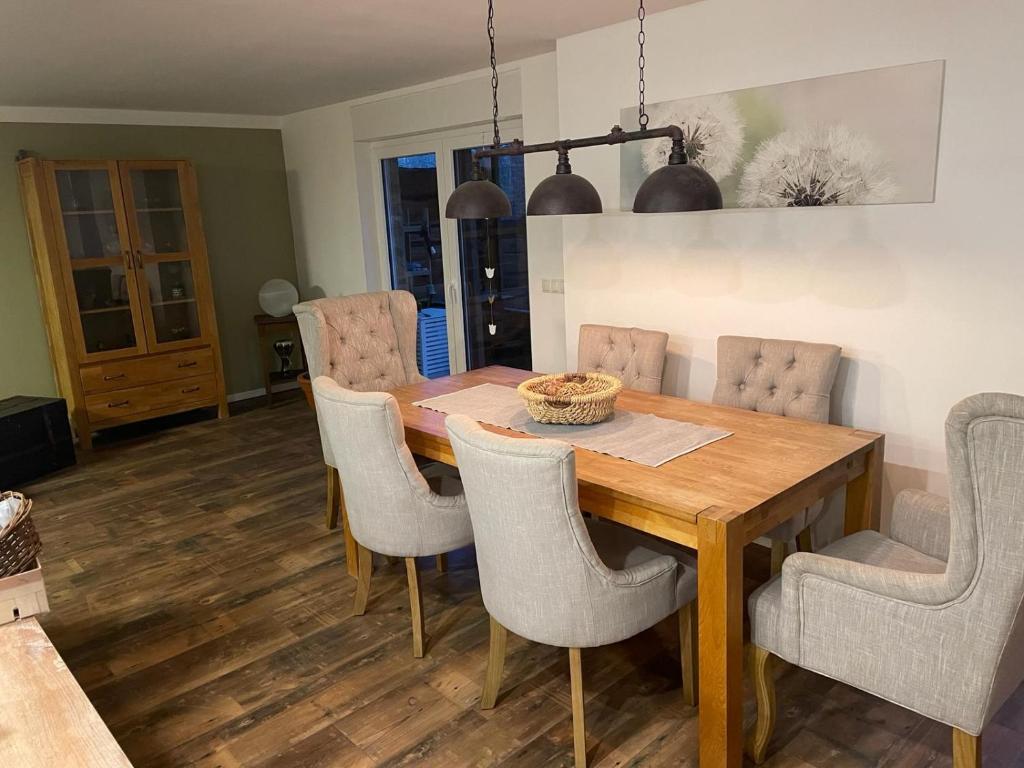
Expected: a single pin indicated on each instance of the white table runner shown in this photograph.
(639, 437)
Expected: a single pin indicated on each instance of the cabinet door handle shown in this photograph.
(186, 390)
(187, 364)
(119, 404)
(115, 376)
(138, 259)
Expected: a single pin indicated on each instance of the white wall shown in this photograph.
(328, 155)
(320, 160)
(924, 299)
(543, 233)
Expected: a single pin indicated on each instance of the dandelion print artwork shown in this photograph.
(861, 138)
(713, 129)
(827, 165)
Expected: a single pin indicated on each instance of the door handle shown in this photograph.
(453, 293)
(138, 259)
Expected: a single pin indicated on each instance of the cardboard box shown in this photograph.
(23, 595)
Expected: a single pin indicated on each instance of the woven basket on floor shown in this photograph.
(19, 542)
(570, 398)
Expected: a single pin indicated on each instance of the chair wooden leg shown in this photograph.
(779, 551)
(365, 558)
(763, 680)
(333, 498)
(966, 750)
(803, 541)
(495, 665)
(579, 731)
(416, 606)
(442, 563)
(688, 652)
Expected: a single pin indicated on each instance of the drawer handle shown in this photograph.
(115, 376)
(119, 404)
(187, 364)
(186, 390)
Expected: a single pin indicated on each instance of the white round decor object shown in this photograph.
(277, 297)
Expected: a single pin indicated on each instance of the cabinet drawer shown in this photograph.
(120, 374)
(167, 397)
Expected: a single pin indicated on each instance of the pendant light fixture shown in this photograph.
(677, 187)
(563, 193)
(481, 198)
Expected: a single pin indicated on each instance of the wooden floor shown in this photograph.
(198, 599)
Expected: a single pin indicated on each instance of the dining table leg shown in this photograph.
(720, 539)
(864, 493)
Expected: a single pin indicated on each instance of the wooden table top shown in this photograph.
(45, 717)
(766, 455)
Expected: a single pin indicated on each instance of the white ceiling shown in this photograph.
(265, 57)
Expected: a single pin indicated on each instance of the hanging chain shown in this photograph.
(641, 38)
(494, 69)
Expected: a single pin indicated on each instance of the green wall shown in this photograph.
(244, 199)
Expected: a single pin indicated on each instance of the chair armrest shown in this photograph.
(906, 586)
(921, 520)
(447, 502)
(645, 571)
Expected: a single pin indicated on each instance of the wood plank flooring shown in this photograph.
(197, 597)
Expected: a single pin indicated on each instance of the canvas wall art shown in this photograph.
(861, 138)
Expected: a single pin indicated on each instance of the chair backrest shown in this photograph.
(985, 574)
(787, 378)
(539, 571)
(634, 355)
(383, 487)
(365, 342)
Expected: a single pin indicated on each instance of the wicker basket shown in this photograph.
(19, 542)
(570, 398)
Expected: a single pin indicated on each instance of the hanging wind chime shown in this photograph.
(678, 186)
(489, 270)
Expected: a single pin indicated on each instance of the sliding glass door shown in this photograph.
(469, 278)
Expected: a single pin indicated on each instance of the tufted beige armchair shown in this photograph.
(929, 617)
(634, 355)
(366, 343)
(787, 378)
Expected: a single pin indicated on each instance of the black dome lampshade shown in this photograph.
(478, 198)
(564, 194)
(678, 187)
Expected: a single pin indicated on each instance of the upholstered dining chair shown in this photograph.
(787, 378)
(366, 343)
(551, 576)
(929, 617)
(633, 355)
(391, 508)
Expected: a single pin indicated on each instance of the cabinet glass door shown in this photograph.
(93, 238)
(157, 211)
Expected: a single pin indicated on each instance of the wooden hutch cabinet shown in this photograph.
(124, 283)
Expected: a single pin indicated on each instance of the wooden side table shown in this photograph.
(267, 327)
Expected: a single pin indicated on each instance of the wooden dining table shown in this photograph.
(714, 500)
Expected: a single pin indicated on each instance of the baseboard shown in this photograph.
(235, 397)
(261, 392)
